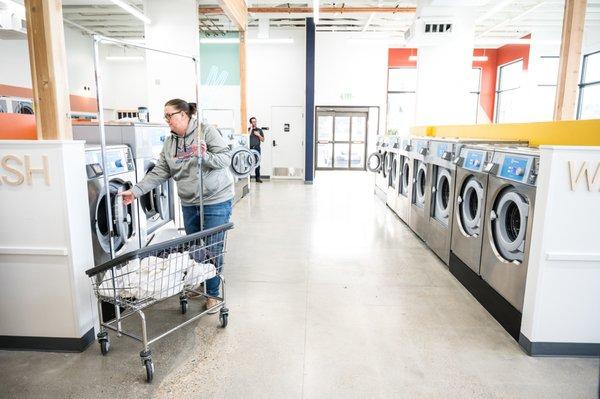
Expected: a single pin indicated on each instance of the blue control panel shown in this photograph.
(441, 149)
(474, 160)
(514, 168)
(420, 146)
(116, 161)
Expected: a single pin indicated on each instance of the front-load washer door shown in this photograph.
(155, 202)
(470, 206)
(404, 187)
(386, 164)
(242, 162)
(122, 217)
(443, 184)
(509, 224)
(375, 162)
(420, 184)
(393, 171)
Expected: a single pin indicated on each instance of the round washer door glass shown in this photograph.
(421, 184)
(442, 196)
(155, 202)
(509, 224)
(470, 204)
(122, 223)
(393, 171)
(405, 176)
(374, 162)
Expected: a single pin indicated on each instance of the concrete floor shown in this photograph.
(331, 296)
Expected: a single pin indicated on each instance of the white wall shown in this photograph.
(351, 73)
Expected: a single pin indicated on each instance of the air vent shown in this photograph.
(438, 28)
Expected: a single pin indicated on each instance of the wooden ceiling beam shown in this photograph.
(236, 11)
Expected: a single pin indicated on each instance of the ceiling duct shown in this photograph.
(430, 31)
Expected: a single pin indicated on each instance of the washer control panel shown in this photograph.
(420, 146)
(520, 168)
(474, 160)
(442, 150)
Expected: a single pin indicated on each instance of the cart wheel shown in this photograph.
(184, 306)
(149, 370)
(223, 317)
(104, 346)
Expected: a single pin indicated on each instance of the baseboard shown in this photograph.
(570, 349)
(500, 309)
(47, 344)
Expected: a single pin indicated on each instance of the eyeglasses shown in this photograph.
(169, 116)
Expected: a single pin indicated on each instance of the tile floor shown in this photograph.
(331, 296)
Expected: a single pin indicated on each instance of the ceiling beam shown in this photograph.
(309, 10)
(236, 11)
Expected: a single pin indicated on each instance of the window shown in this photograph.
(508, 92)
(401, 101)
(547, 75)
(589, 88)
(474, 91)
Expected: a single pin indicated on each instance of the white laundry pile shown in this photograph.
(156, 277)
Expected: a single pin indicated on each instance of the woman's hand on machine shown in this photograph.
(128, 197)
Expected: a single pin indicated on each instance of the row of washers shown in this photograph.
(441, 191)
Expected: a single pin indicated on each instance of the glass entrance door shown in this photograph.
(341, 140)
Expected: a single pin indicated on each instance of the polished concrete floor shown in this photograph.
(331, 296)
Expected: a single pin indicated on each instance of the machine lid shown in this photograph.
(470, 203)
(375, 162)
(509, 224)
(442, 195)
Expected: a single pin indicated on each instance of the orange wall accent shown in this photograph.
(487, 96)
(78, 103)
(17, 127)
(398, 57)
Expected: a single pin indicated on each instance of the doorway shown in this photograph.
(287, 134)
(341, 139)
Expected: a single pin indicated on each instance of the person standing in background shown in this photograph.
(256, 137)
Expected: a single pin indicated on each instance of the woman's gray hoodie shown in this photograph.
(179, 160)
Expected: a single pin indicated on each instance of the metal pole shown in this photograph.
(197, 75)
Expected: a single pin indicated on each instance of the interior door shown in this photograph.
(287, 140)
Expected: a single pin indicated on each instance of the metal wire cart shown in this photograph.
(136, 280)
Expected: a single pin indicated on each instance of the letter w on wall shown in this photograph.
(576, 175)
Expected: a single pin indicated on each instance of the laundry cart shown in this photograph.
(139, 279)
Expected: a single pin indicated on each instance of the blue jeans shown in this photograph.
(214, 215)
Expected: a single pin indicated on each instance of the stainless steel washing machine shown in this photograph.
(391, 168)
(420, 195)
(510, 208)
(121, 177)
(469, 204)
(375, 164)
(156, 208)
(404, 179)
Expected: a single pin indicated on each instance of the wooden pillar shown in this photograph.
(243, 110)
(48, 61)
(570, 58)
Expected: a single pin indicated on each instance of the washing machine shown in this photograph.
(469, 204)
(404, 179)
(510, 206)
(391, 169)
(420, 195)
(375, 164)
(157, 207)
(121, 177)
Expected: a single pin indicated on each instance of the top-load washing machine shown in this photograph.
(375, 164)
(419, 154)
(156, 208)
(404, 179)
(124, 221)
(469, 204)
(510, 207)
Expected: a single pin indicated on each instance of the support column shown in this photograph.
(243, 100)
(174, 27)
(310, 102)
(570, 57)
(48, 61)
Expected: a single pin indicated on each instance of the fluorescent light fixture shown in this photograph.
(124, 58)
(132, 10)
(412, 58)
(480, 58)
(316, 11)
(235, 40)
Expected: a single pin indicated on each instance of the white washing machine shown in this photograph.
(469, 204)
(404, 179)
(157, 207)
(420, 194)
(510, 206)
(375, 164)
(121, 177)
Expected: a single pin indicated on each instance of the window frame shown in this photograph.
(582, 85)
(388, 92)
(498, 84)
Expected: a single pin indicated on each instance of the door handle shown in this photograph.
(274, 143)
